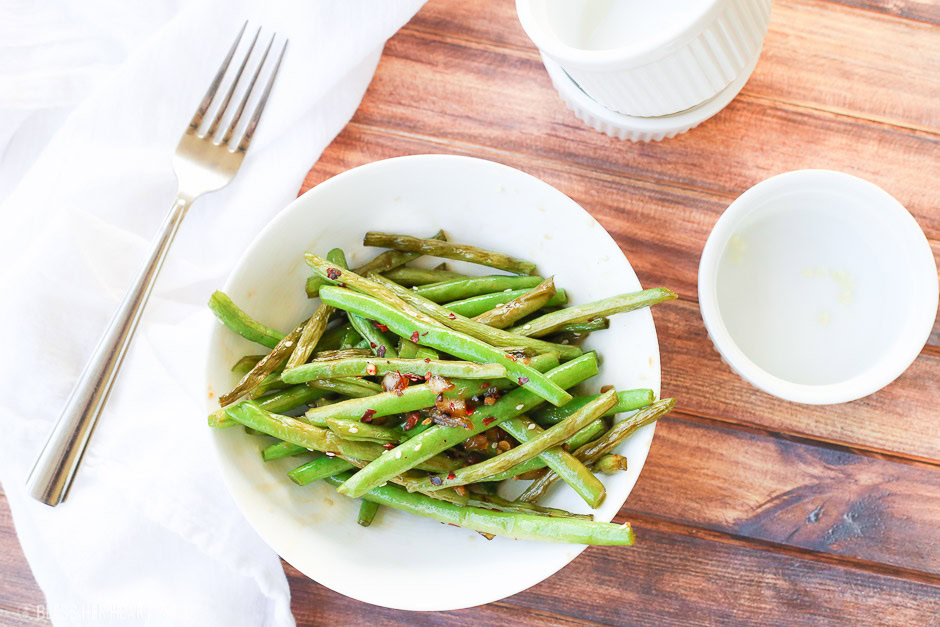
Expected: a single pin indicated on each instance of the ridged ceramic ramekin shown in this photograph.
(670, 57)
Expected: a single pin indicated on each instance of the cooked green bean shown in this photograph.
(320, 468)
(493, 501)
(526, 450)
(466, 326)
(280, 450)
(246, 363)
(427, 353)
(362, 431)
(476, 305)
(512, 525)
(594, 324)
(367, 512)
(302, 434)
(446, 340)
(356, 388)
(284, 400)
(373, 366)
(351, 338)
(382, 344)
(388, 260)
(316, 325)
(273, 360)
(407, 349)
(563, 463)
(238, 321)
(457, 289)
(582, 313)
(409, 277)
(437, 439)
(588, 434)
(450, 495)
(626, 401)
(504, 315)
(610, 464)
(449, 250)
(590, 453)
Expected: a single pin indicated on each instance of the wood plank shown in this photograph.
(667, 578)
(904, 418)
(477, 96)
(790, 492)
(20, 597)
(805, 58)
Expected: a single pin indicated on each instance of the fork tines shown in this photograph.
(246, 92)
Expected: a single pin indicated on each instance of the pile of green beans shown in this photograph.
(422, 390)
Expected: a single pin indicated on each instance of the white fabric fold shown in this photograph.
(93, 98)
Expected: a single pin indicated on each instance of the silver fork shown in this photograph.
(202, 165)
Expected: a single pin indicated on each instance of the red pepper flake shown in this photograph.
(425, 333)
(333, 274)
(511, 356)
(373, 344)
(487, 421)
(381, 327)
(341, 284)
(470, 410)
(367, 417)
(427, 360)
(451, 475)
(412, 421)
(485, 385)
(452, 316)
(414, 337)
(388, 446)
(380, 351)
(370, 369)
(523, 380)
(435, 480)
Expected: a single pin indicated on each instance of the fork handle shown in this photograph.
(53, 472)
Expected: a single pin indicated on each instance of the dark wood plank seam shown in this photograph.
(746, 95)
(665, 525)
(806, 440)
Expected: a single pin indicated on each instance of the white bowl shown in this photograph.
(640, 129)
(403, 561)
(818, 287)
(648, 58)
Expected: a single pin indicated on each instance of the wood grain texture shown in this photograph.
(21, 601)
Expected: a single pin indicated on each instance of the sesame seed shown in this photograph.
(354, 429)
(527, 326)
(564, 341)
(508, 289)
(397, 454)
(531, 426)
(493, 445)
(519, 407)
(418, 446)
(330, 454)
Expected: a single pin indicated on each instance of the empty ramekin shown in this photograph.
(818, 287)
(648, 58)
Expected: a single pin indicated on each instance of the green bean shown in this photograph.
(529, 448)
(315, 438)
(450, 495)
(476, 305)
(446, 340)
(245, 364)
(594, 324)
(280, 450)
(356, 388)
(456, 289)
(320, 468)
(381, 343)
(271, 383)
(626, 401)
(582, 313)
(518, 308)
(512, 525)
(363, 431)
(588, 434)
(388, 260)
(427, 353)
(351, 338)
(590, 453)
(367, 512)
(464, 325)
(563, 463)
(263, 368)
(407, 349)
(372, 366)
(343, 353)
(238, 321)
(410, 277)
(493, 501)
(610, 464)
(279, 402)
(437, 439)
(449, 250)
(316, 325)
(333, 337)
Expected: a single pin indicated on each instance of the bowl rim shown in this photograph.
(277, 544)
(667, 41)
(891, 364)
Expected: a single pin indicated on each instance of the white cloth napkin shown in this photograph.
(93, 98)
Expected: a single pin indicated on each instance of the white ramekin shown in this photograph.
(634, 128)
(817, 287)
(692, 58)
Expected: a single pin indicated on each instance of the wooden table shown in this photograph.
(749, 509)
